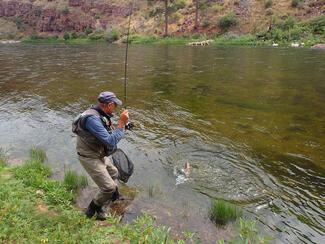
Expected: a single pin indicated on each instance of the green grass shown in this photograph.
(222, 212)
(37, 154)
(3, 158)
(36, 209)
(73, 181)
(247, 233)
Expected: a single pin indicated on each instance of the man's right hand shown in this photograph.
(124, 118)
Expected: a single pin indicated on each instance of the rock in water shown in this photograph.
(319, 46)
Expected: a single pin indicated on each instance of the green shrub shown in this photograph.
(227, 21)
(65, 11)
(73, 181)
(112, 35)
(268, 3)
(205, 23)
(221, 212)
(178, 4)
(66, 36)
(295, 3)
(88, 30)
(317, 25)
(74, 35)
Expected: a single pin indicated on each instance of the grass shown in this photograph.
(222, 212)
(154, 190)
(26, 216)
(247, 233)
(3, 158)
(73, 181)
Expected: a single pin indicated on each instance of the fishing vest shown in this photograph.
(87, 144)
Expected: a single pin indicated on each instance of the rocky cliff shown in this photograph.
(55, 17)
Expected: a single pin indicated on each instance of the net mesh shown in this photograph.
(123, 164)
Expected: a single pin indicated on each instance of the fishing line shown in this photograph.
(126, 55)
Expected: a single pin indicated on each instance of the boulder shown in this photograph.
(319, 46)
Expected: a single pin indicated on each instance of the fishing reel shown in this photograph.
(129, 126)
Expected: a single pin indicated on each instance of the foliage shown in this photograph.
(37, 154)
(248, 233)
(88, 30)
(221, 212)
(66, 36)
(65, 11)
(3, 158)
(227, 21)
(112, 35)
(74, 35)
(268, 3)
(25, 218)
(295, 3)
(316, 25)
(72, 181)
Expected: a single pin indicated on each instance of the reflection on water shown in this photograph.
(251, 121)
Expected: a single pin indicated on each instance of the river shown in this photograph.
(250, 121)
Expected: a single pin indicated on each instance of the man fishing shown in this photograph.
(96, 140)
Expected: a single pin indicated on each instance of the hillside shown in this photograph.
(21, 18)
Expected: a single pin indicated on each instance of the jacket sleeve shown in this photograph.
(94, 125)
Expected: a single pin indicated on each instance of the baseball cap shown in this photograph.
(107, 97)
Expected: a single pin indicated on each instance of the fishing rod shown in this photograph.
(129, 125)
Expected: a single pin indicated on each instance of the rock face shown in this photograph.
(51, 19)
(319, 46)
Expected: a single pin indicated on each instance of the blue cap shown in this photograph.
(107, 97)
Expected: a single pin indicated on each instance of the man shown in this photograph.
(96, 140)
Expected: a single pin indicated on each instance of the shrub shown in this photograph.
(88, 30)
(66, 36)
(74, 35)
(268, 3)
(112, 35)
(227, 21)
(317, 25)
(221, 212)
(205, 23)
(178, 4)
(295, 3)
(65, 11)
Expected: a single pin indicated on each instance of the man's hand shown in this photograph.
(124, 118)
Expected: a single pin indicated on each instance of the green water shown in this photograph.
(251, 121)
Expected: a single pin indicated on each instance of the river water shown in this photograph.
(250, 121)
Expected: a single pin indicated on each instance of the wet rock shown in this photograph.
(319, 46)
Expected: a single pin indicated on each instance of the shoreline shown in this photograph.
(245, 40)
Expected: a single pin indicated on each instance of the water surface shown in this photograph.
(250, 121)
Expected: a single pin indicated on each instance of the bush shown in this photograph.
(317, 25)
(88, 30)
(295, 3)
(66, 36)
(221, 212)
(112, 35)
(65, 11)
(178, 4)
(268, 3)
(205, 23)
(227, 21)
(74, 35)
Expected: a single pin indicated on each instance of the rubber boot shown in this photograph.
(91, 210)
(101, 214)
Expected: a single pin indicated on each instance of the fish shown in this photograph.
(182, 175)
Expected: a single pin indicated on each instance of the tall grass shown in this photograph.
(37, 154)
(3, 158)
(221, 212)
(73, 181)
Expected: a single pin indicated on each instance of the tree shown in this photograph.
(166, 18)
(197, 6)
